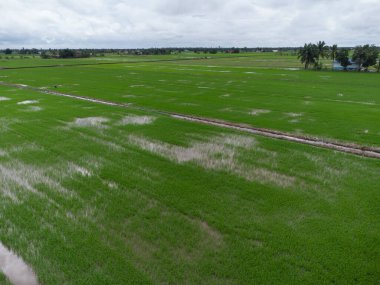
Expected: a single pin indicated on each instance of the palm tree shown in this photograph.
(333, 52)
(308, 54)
(322, 49)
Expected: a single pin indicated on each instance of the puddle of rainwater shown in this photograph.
(15, 269)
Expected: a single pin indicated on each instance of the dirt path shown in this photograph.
(351, 148)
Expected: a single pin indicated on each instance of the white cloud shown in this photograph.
(155, 23)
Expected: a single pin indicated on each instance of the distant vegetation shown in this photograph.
(78, 53)
(65, 53)
(311, 55)
(365, 56)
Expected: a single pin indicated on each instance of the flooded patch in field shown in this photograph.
(74, 168)
(27, 102)
(96, 122)
(188, 104)
(353, 102)
(110, 184)
(328, 172)
(103, 141)
(214, 234)
(6, 123)
(220, 153)
(4, 98)
(137, 120)
(34, 109)
(294, 115)
(17, 179)
(257, 112)
(15, 269)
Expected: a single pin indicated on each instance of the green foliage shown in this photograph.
(66, 53)
(45, 55)
(333, 51)
(309, 54)
(342, 56)
(365, 56)
(323, 50)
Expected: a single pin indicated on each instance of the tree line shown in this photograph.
(364, 56)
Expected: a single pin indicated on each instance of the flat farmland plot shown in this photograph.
(329, 105)
(103, 194)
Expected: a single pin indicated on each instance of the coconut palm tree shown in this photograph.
(322, 49)
(333, 52)
(308, 54)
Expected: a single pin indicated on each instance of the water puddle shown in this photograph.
(15, 269)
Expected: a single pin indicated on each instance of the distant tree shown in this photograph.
(8, 51)
(66, 53)
(322, 49)
(365, 56)
(343, 58)
(44, 55)
(333, 51)
(308, 54)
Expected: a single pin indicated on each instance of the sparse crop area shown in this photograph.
(107, 186)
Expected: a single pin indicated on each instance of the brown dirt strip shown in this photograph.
(351, 148)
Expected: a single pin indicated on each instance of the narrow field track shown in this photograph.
(352, 148)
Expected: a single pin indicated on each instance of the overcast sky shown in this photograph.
(161, 23)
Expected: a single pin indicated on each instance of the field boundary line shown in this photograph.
(118, 62)
(352, 148)
(106, 63)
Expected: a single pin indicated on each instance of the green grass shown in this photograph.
(3, 280)
(16, 60)
(93, 205)
(174, 202)
(334, 105)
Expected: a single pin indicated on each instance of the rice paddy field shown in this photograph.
(95, 193)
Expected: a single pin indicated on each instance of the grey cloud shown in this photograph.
(154, 23)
